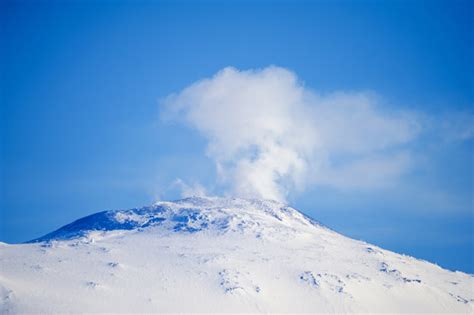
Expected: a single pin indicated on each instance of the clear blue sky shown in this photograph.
(80, 121)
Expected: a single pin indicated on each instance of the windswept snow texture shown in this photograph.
(218, 255)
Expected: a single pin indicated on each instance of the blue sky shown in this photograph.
(81, 103)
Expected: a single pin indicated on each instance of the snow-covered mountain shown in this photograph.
(218, 255)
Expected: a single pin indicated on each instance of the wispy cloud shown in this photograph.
(269, 134)
(190, 190)
(457, 126)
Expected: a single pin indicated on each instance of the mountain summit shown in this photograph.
(218, 255)
(194, 214)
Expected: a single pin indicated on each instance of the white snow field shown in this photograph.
(218, 255)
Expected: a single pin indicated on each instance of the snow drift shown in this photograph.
(218, 255)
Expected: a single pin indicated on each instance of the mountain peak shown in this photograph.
(191, 215)
(214, 255)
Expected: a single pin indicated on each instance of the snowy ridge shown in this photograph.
(194, 214)
(218, 255)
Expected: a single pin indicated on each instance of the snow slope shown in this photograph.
(218, 255)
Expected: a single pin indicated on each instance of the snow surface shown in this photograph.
(218, 255)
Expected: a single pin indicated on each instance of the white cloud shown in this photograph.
(268, 134)
(457, 126)
(187, 190)
(366, 171)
